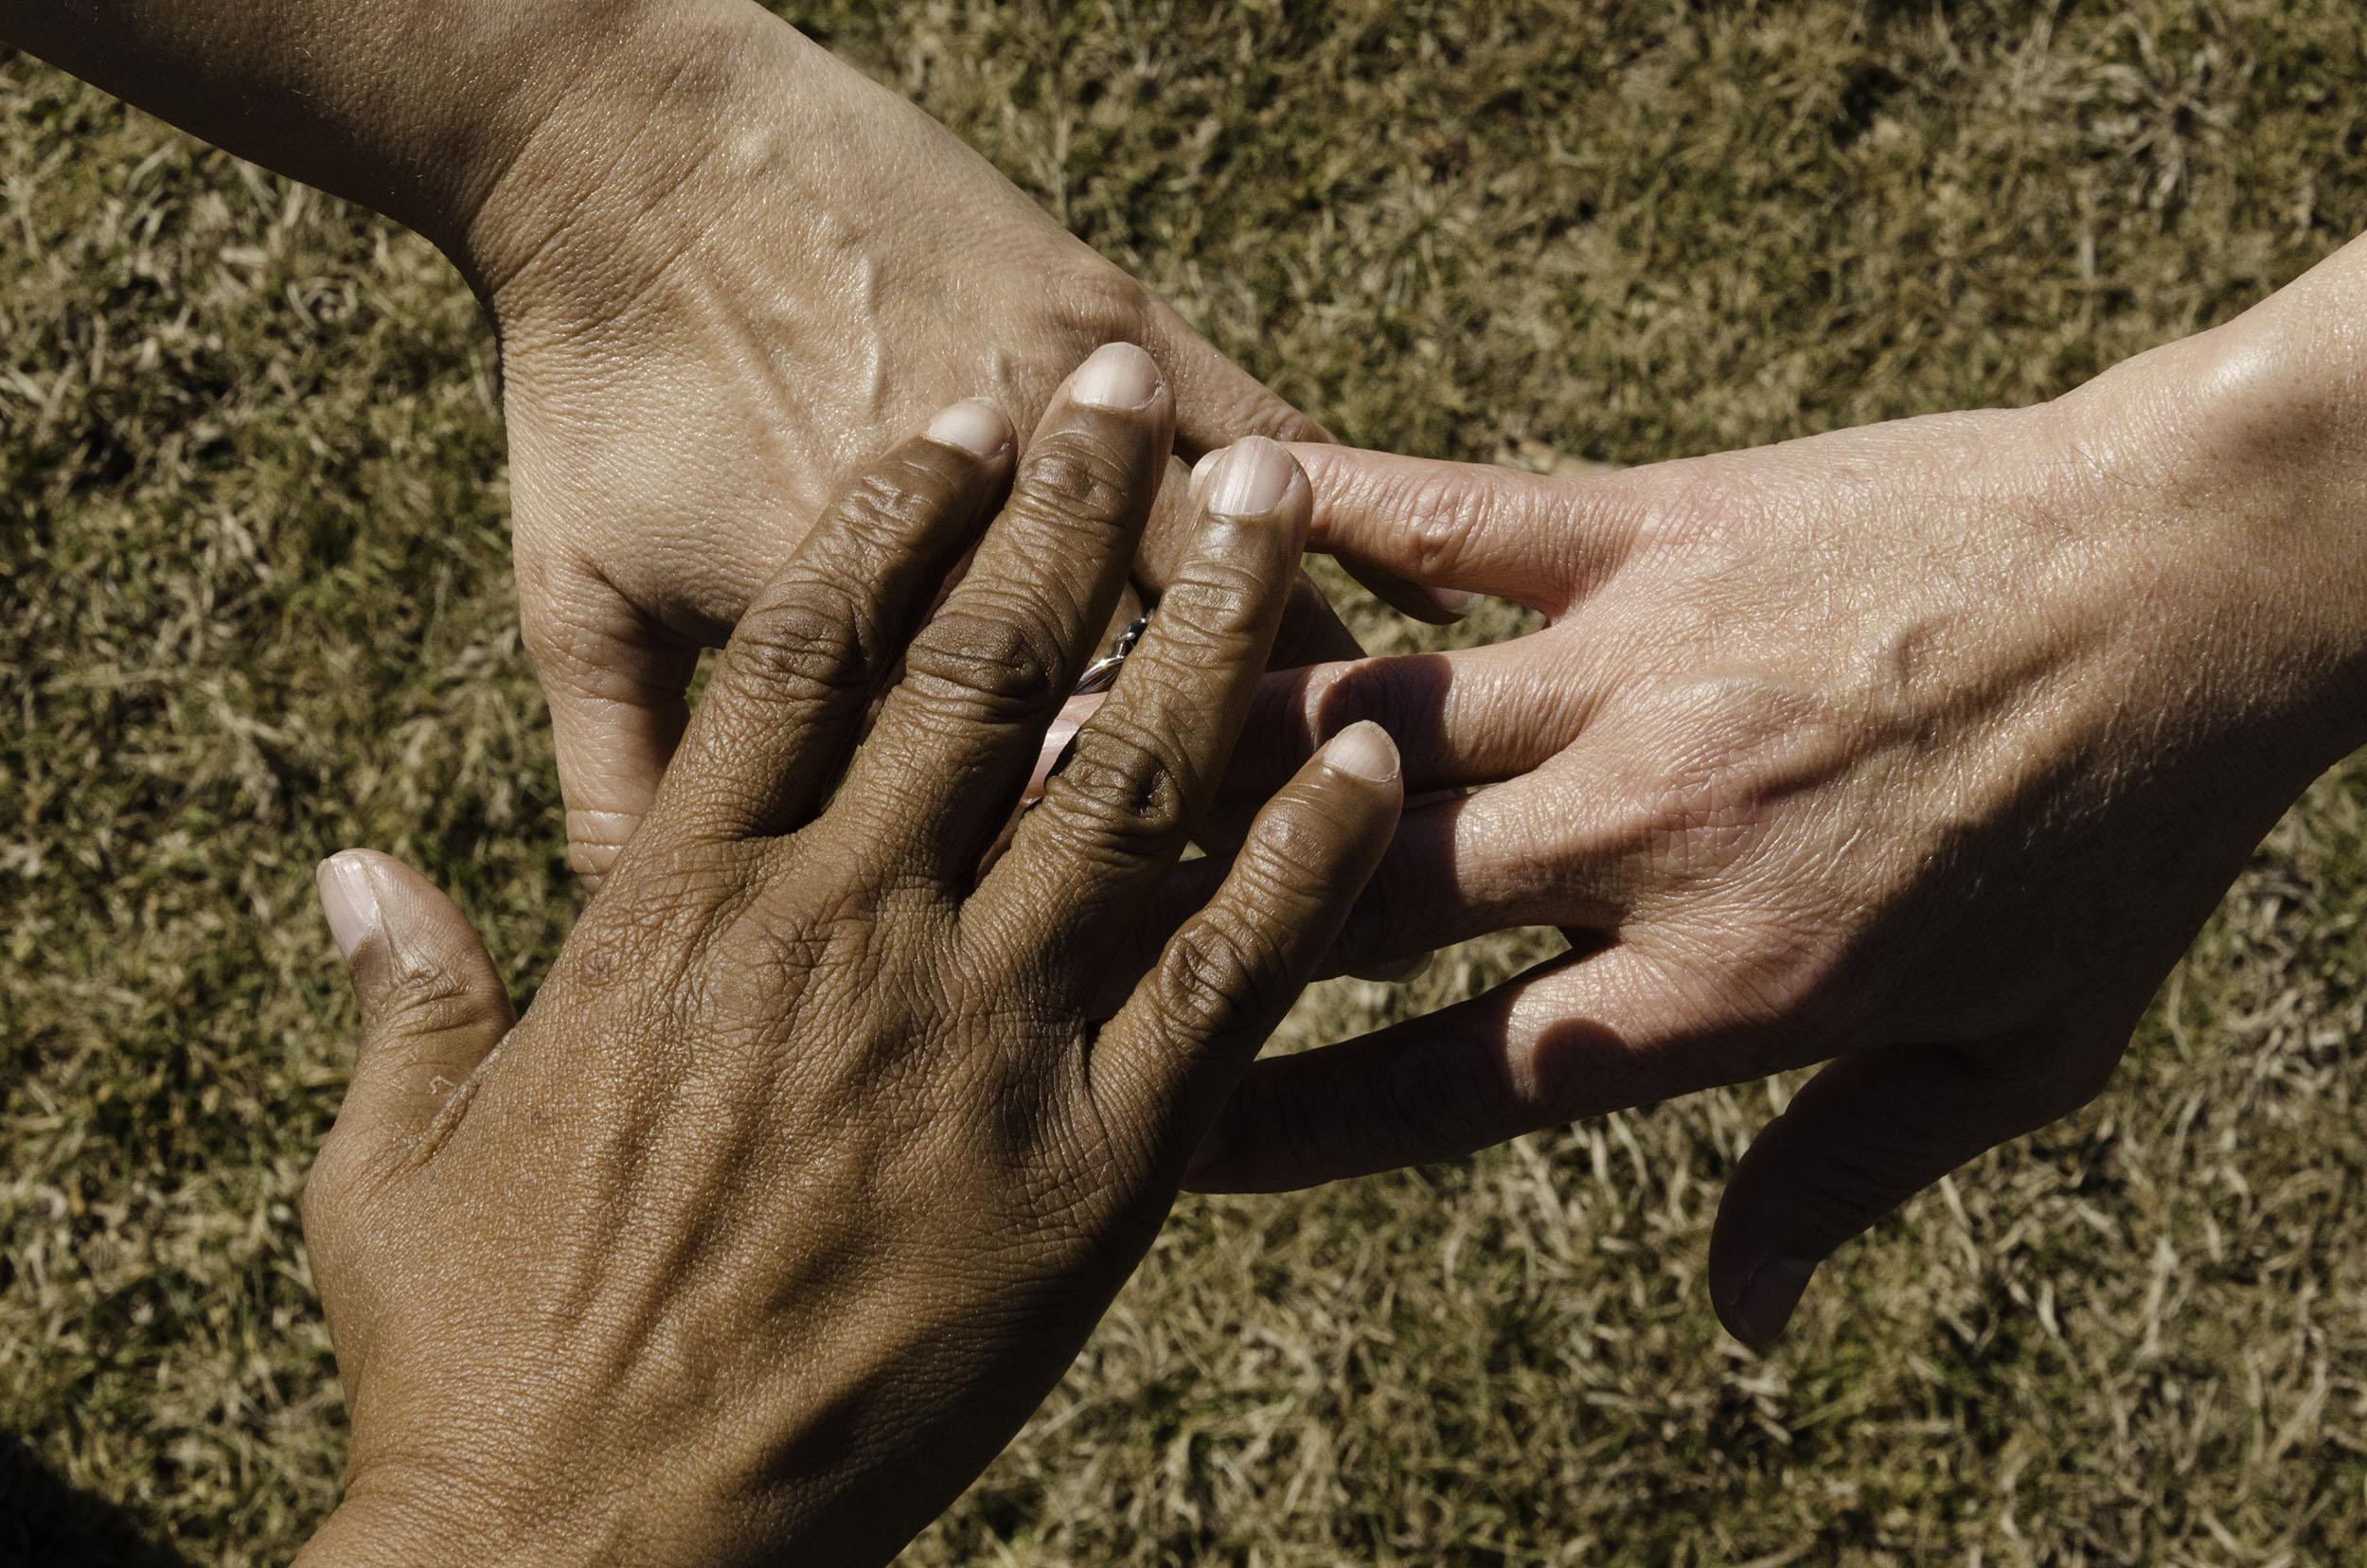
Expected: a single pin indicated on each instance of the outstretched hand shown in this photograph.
(1927, 746)
(806, 1174)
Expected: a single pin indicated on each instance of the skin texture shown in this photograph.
(806, 1174)
(1927, 747)
(724, 268)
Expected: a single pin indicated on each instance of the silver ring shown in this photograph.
(1102, 673)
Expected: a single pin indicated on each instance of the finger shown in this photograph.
(1146, 763)
(1575, 1037)
(1542, 542)
(791, 691)
(1172, 1054)
(1437, 606)
(1217, 401)
(432, 1007)
(1457, 869)
(615, 683)
(1311, 631)
(983, 679)
(1471, 716)
(1864, 1136)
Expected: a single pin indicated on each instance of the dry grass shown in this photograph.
(258, 608)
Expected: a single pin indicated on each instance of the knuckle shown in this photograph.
(2036, 1080)
(645, 926)
(1294, 848)
(325, 1185)
(1715, 519)
(802, 645)
(1216, 973)
(425, 1002)
(884, 509)
(1213, 607)
(1124, 788)
(573, 630)
(1444, 516)
(1735, 746)
(1105, 305)
(1850, 1186)
(1000, 661)
(1076, 476)
(1762, 984)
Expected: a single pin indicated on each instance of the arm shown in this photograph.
(1924, 746)
(722, 265)
(805, 1177)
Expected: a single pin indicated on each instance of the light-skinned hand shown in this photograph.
(1926, 747)
(725, 269)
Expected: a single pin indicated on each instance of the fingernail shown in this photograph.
(1202, 470)
(1767, 1298)
(1454, 601)
(1251, 479)
(1364, 751)
(347, 901)
(1119, 376)
(975, 425)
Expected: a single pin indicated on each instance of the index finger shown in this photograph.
(1542, 542)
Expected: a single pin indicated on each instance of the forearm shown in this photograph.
(417, 108)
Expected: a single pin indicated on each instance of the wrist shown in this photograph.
(363, 1534)
(2244, 450)
(442, 1506)
(622, 167)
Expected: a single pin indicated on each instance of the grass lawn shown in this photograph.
(258, 608)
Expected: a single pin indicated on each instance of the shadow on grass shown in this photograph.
(44, 1519)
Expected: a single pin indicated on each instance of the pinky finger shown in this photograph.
(1168, 1059)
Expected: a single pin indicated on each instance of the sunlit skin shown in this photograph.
(725, 270)
(1926, 746)
(807, 1174)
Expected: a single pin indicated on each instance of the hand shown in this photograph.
(805, 1177)
(723, 267)
(788, 267)
(1928, 746)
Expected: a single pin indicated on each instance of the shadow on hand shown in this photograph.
(44, 1519)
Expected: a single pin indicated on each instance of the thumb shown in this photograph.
(616, 685)
(1217, 402)
(1864, 1136)
(432, 1007)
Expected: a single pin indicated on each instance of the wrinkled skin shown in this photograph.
(1928, 746)
(725, 269)
(688, 376)
(806, 1174)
